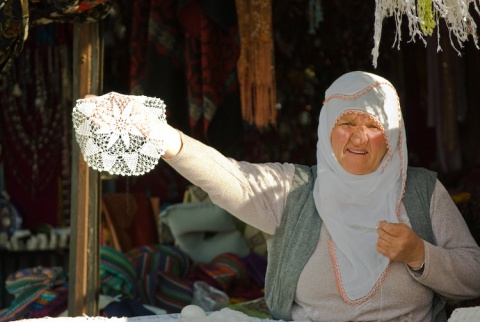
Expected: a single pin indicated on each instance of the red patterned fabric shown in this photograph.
(211, 59)
(194, 40)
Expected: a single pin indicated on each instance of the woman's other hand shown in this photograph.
(400, 243)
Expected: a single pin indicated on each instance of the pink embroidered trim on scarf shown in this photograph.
(341, 290)
(358, 94)
(331, 244)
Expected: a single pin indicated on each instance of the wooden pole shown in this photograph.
(85, 205)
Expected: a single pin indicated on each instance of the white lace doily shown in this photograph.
(120, 134)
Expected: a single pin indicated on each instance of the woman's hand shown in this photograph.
(400, 243)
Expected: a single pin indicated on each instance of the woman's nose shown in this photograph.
(359, 136)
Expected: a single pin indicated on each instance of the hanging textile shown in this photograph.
(156, 56)
(76, 11)
(423, 17)
(256, 70)
(185, 49)
(14, 30)
(35, 127)
(211, 58)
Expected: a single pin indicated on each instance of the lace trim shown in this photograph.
(338, 277)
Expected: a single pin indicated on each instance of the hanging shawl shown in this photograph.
(423, 16)
(255, 64)
(211, 52)
(351, 205)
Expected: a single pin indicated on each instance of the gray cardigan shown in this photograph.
(290, 247)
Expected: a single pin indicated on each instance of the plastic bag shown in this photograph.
(208, 297)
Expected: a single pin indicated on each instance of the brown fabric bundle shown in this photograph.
(256, 72)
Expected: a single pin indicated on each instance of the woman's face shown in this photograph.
(358, 143)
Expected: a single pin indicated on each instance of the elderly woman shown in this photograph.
(358, 237)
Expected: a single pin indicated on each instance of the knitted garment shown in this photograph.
(28, 285)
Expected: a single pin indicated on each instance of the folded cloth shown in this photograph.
(161, 271)
(465, 314)
(54, 305)
(203, 230)
(117, 274)
(223, 271)
(27, 285)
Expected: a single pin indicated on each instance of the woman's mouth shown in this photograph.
(357, 152)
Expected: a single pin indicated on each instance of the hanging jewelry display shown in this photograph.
(32, 126)
(423, 16)
(35, 120)
(65, 99)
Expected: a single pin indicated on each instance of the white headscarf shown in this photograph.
(351, 205)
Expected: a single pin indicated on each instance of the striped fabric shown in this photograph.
(165, 258)
(27, 286)
(161, 272)
(223, 271)
(172, 293)
(117, 274)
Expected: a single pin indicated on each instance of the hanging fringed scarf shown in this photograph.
(423, 16)
(256, 71)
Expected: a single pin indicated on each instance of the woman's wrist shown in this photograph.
(173, 142)
(417, 268)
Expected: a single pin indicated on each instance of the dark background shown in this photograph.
(150, 49)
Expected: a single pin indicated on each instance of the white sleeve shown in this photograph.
(254, 193)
